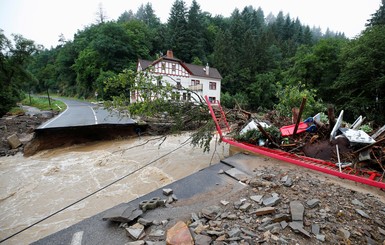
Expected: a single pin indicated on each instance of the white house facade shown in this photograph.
(189, 80)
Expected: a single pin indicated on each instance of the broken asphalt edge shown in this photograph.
(97, 231)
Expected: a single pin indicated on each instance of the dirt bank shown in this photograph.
(21, 125)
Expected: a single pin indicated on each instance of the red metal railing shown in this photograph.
(367, 177)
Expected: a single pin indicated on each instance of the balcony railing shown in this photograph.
(198, 87)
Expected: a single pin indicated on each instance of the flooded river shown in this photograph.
(35, 187)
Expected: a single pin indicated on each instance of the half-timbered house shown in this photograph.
(188, 80)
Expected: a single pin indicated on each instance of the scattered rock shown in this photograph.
(280, 217)
(211, 212)
(381, 231)
(357, 203)
(315, 229)
(224, 203)
(234, 232)
(320, 237)
(296, 210)
(202, 240)
(13, 141)
(271, 201)
(313, 203)
(245, 207)
(284, 224)
(298, 227)
(342, 233)
(179, 234)
(167, 191)
(257, 198)
(157, 234)
(287, 181)
(362, 213)
(263, 211)
(144, 222)
(141, 242)
(135, 231)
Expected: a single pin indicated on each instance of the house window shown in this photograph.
(212, 99)
(195, 82)
(213, 86)
(175, 95)
(186, 96)
(173, 67)
(133, 95)
(163, 66)
(178, 85)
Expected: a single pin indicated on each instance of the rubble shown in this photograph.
(336, 142)
(309, 212)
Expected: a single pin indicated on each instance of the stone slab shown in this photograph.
(296, 210)
(237, 174)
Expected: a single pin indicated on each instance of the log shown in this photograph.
(299, 115)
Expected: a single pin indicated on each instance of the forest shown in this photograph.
(266, 61)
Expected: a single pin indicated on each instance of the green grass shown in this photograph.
(42, 103)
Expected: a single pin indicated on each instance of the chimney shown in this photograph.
(207, 69)
(170, 54)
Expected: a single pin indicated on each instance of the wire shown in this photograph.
(93, 193)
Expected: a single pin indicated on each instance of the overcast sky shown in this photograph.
(44, 20)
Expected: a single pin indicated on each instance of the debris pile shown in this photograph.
(273, 208)
(319, 137)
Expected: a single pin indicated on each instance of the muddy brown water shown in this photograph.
(32, 188)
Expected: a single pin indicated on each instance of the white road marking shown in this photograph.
(53, 119)
(77, 238)
(93, 111)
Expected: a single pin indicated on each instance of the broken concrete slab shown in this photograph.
(167, 191)
(124, 214)
(237, 174)
(296, 210)
(135, 231)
